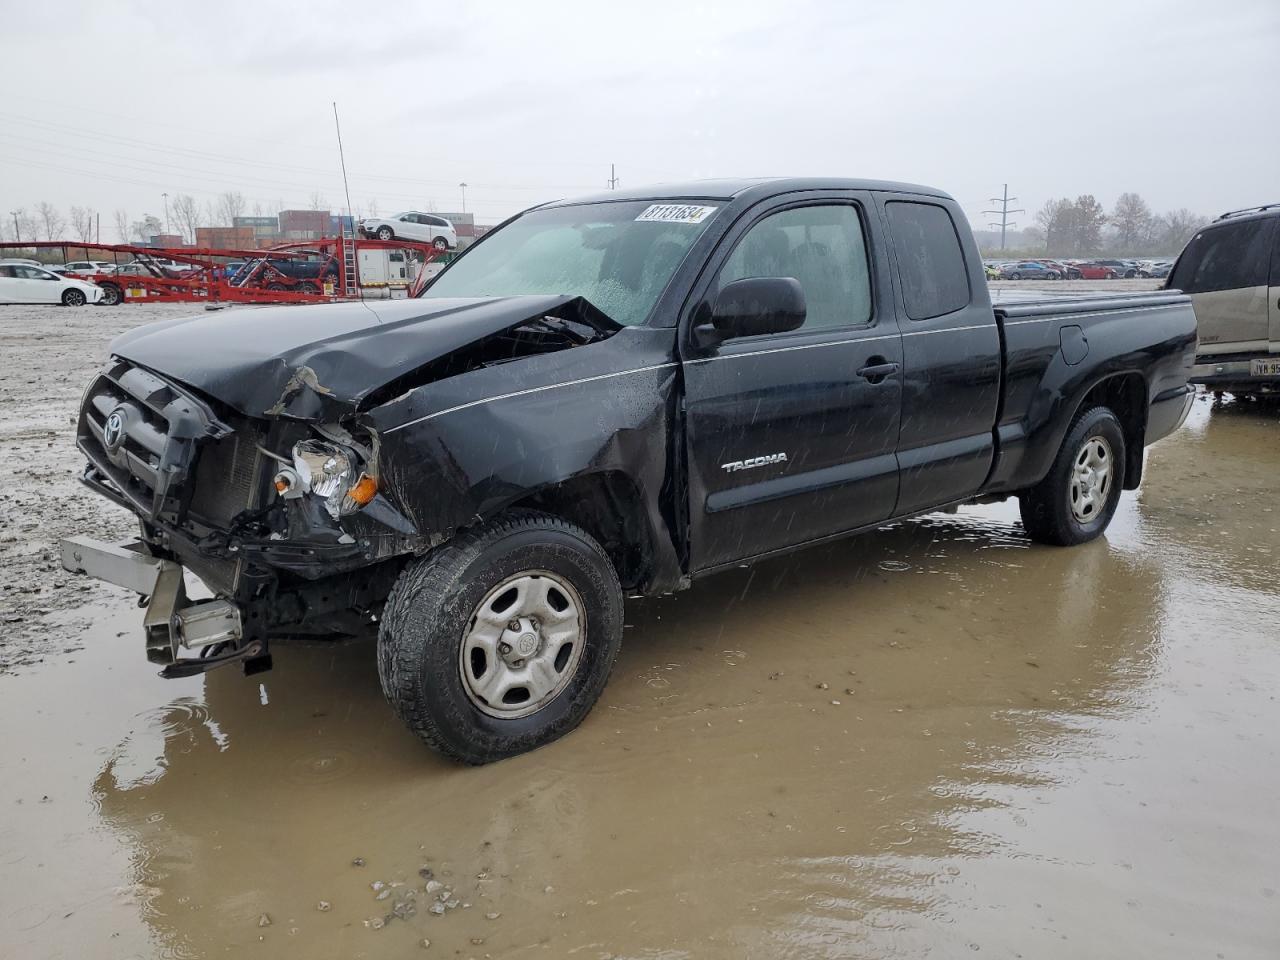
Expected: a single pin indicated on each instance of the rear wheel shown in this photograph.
(308, 287)
(1015, 276)
(501, 640)
(385, 233)
(111, 295)
(276, 286)
(1078, 497)
(440, 243)
(74, 298)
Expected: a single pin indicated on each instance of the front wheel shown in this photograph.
(74, 298)
(111, 295)
(1078, 497)
(1015, 276)
(440, 243)
(385, 233)
(501, 640)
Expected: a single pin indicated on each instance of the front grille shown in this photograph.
(166, 452)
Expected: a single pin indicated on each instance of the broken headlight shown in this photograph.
(332, 472)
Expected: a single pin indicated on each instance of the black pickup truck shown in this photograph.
(602, 398)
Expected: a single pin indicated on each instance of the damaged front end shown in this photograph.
(262, 475)
(277, 518)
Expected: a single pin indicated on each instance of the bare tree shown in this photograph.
(1055, 220)
(230, 205)
(257, 208)
(317, 201)
(146, 228)
(185, 212)
(51, 220)
(82, 222)
(122, 224)
(1089, 221)
(1132, 220)
(1174, 229)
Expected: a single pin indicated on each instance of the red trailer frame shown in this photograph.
(205, 279)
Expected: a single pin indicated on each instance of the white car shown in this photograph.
(412, 225)
(89, 266)
(20, 283)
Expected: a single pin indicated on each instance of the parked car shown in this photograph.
(1027, 270)
(89, 266)
(412, 225)
(1093, 270)
(23, 283)
(701, 377)
(1121, 268)
(1231, 269)
(1061, 269)
(1158, 270)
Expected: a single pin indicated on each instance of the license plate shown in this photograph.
(1264, 368)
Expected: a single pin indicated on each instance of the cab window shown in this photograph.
(822, 247)
(930, 262)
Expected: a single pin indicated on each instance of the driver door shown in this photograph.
(792, 437)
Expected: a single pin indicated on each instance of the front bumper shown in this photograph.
(172, 624)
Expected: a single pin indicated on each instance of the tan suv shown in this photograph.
(1231, 268)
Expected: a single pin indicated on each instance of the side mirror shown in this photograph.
(755, 306)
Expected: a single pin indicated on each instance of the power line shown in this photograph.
(1003, 213)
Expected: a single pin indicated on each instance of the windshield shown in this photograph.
(619, 256)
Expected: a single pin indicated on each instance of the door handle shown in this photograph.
(877, 369)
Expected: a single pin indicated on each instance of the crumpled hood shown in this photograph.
(318, 362)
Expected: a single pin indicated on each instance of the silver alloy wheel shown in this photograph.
(522, 645)
(1091, 475)
(74, 298)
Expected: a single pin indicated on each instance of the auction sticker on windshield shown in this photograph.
(675, 213)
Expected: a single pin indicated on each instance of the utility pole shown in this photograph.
(166, 212)
(613, 178)
(463, 188)
(1003, 213)
(17, 231)
(97, 228)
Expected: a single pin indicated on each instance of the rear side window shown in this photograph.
(1227, 257)
(930, 261)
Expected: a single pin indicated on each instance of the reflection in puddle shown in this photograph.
(931, 740)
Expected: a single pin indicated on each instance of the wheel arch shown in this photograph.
(1126, 395)
(608, 505)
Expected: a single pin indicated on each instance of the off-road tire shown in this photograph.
(1046, 512)
(385, 233)
(74, 298)
(430, 608)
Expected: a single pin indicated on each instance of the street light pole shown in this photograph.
(166, 212)
(463, 188)
(17, 231)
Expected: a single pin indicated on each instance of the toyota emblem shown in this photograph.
(113, 431)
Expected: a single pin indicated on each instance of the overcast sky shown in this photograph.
(111, 104)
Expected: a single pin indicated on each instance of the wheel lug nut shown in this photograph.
(513, 626)
(504, 648)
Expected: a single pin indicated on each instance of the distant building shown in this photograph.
(266, 230)
(305, 224)
(224, 238)
(166, 240)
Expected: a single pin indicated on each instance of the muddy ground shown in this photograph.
(933, 741)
